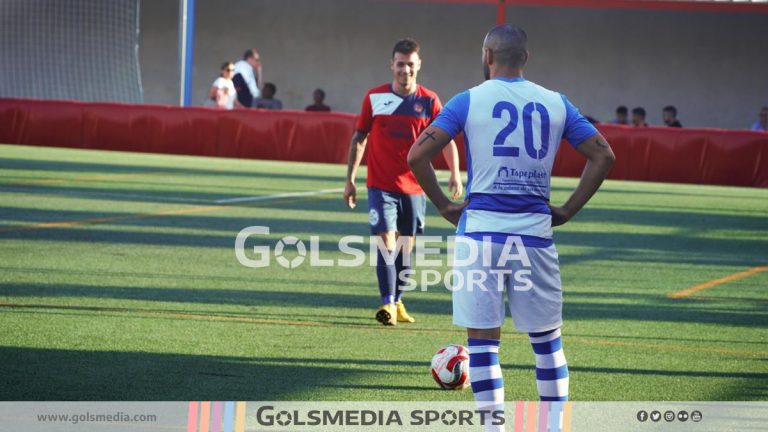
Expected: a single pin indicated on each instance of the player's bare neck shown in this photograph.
(507, 73)
(403, 91)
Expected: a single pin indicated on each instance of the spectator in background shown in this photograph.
(762, 122)
(669, 115)
(222, 92)
(319, 98)
(622, 116)
(267, 99)
(638, 117)
(247, 78)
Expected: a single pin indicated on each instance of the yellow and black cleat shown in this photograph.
(387, 314)
(402, 314)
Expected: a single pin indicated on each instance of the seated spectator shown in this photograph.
(638, 117)
(222, 93)
(319, 98)
(267, 99)
(762, 122)
(622, 116)
(247, 78)
(669, 115)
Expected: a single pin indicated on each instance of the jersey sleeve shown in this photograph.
(453, 116)
(365, 119)
(577, 127)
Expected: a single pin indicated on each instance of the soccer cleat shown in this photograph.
(387, 314)
(402, 314)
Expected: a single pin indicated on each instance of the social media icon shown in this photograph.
(696, 416)
(669, 416)
(642, 416)
(655, 416)
(682, 416)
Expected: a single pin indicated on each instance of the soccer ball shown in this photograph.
(450, 367)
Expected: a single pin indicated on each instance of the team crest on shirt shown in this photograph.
(373, 217)
(418, 107)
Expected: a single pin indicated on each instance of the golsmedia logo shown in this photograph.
(290, 252)
(269, 416)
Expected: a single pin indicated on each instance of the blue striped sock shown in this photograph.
(387, 278)
(485, 376)
(399, 267)
(551, 367)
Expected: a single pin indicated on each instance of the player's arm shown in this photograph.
(600, 159)
(451, 155)
(427, 145)
(356, 151)
(258, 78)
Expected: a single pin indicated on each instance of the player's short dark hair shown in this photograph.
(406, 46)
(509, 44)
(270, 86)
(671, 109)
(249, 53)
(622, 110)
(639, 111)
(321, 91)
(225, 65)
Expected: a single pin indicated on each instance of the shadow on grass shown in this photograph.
(35, 374)
(213, 222)
(31, 374)
(255, 298)
(757, 376)
(665, 311)
(652, 311)
(631, 247)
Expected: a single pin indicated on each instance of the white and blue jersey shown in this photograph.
(512, 131)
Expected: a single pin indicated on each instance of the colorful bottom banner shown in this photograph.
(519, 416)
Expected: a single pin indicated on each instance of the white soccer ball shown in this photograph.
(450, 367)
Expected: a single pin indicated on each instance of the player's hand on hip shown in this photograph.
(455, 186)
(559, 215)
(350, 194)
(452, 212)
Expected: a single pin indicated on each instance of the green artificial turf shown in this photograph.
(119, 281)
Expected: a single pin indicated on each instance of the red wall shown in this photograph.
(705, 156)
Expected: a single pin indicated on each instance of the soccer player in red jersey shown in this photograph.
(392, 117)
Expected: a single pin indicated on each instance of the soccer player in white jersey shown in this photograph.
(512, 130)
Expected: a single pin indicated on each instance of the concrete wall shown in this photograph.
(712, 66)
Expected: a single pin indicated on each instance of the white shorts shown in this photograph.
(532, 286)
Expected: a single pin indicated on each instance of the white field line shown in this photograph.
(277, 196)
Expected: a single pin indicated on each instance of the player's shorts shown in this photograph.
(533, 292)
(390, 211)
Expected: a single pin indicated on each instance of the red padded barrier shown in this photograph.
(706, 156)
(41, 123)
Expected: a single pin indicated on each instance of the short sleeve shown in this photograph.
(577, 127)
(365, 119)
(453, 116)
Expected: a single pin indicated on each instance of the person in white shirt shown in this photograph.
(222, 91)
(247, 78)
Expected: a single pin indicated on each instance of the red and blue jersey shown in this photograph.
(393, 123)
